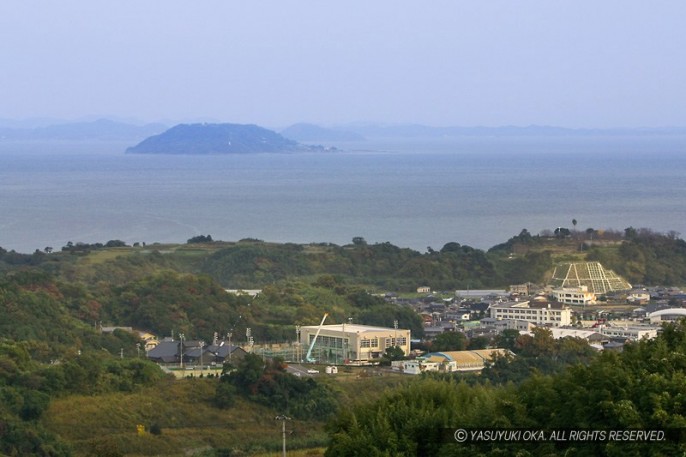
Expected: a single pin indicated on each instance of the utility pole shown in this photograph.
(229, 335)
(248, 336)
(181, 335)
(283, 420)
(298, 356)
(202, 345)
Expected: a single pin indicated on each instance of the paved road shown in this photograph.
(299, 370)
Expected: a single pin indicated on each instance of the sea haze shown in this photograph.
(476, 191)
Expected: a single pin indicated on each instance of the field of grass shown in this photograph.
(181, 410)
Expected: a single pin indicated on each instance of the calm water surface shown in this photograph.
(477, 191)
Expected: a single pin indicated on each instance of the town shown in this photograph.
(584, 300)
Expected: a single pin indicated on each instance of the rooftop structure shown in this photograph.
(597, 279)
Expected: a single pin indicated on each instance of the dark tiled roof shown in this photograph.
(166, 351)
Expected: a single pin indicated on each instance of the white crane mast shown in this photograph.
(308, 357)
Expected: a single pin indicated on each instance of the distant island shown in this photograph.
(213, 138)
(219, 139)
(310, 132)
(97, 130)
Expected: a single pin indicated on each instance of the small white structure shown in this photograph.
(331, 369)
(416, 366)
(251, 292)
(638, 296)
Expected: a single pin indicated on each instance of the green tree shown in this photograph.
(449, 341)
(225, 394)
(479, 342)
(391, 354)
(507, 339)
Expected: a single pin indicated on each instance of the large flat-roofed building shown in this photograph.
(352, 343)
(476, 294)
(540, 313)
(449, 362)
(574, 295)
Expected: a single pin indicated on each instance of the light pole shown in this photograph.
(283, 420)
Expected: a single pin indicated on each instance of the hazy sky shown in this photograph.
(580, 63)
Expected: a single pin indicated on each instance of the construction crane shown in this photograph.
(309, 357)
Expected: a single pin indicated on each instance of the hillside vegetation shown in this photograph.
(70, 389)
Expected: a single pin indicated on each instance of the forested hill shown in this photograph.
(216, 139)
(57, 365)
(180, 287)
(640, 255)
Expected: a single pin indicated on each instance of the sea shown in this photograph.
(415, 193)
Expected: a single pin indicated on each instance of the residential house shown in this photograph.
(638, 297)
(220, 353)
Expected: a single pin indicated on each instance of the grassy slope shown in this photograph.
(190, 424)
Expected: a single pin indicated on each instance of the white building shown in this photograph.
(507, 324)
(353, 343)
(589, 335)
(670, 314)
(540, 313)
(574, 295)
(638, 296)
(630, 333)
